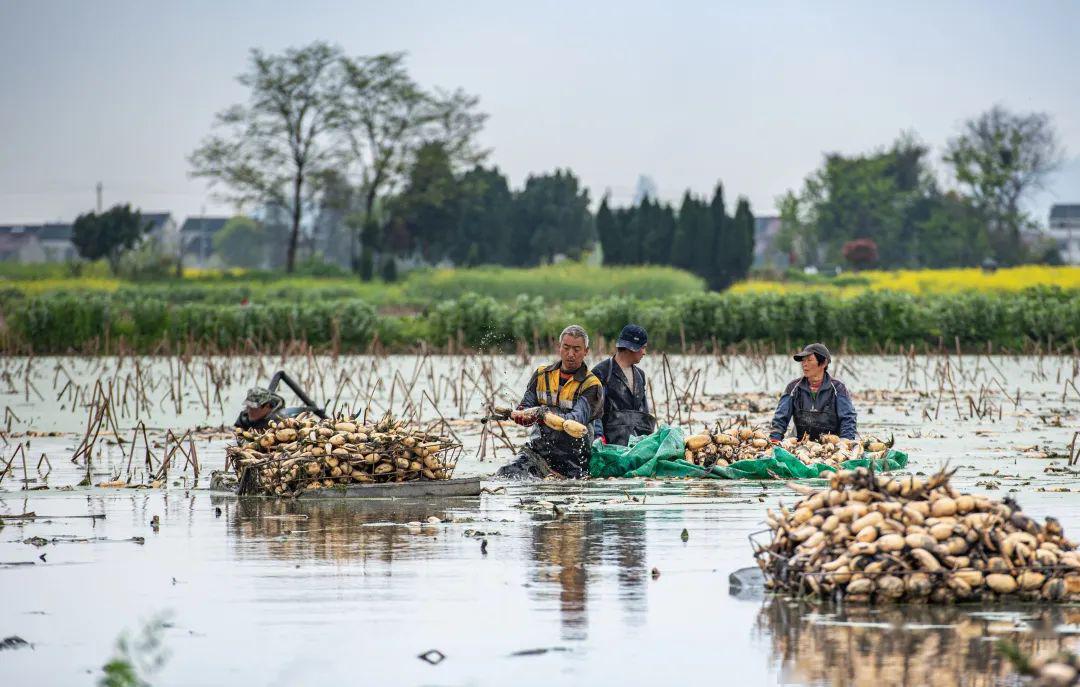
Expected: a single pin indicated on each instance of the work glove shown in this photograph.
(528, 417)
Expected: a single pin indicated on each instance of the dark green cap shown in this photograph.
(818, 348)
(258, 396)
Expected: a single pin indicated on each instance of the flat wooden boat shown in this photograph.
(462, 486)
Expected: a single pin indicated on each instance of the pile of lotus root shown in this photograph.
(304, 453)
(722, 448)
(870, 538)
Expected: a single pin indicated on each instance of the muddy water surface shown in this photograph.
(563, 591)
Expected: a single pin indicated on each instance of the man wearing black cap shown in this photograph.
(818, 403)
(626, 405)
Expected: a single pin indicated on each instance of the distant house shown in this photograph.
(1064, 229)
(19, 243)
(163, 229)
(766, 254)
(32, 243)
(197, 239)
(56, 242)
(51, 241)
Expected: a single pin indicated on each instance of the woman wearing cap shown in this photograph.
(818, 403)
(626, 406)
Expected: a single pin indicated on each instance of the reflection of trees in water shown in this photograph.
(905, 645)
(341, 530)
(563, 550)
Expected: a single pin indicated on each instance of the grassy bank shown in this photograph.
(869, 321)
(419, 288)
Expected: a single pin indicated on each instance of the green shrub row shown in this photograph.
(61, 322)
(57, 323)
(867, 321)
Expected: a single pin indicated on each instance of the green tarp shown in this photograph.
(660, 454)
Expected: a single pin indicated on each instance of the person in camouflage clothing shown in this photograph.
(261, 406)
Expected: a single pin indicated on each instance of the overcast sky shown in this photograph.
(689, 93)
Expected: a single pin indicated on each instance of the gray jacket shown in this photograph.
(831, 410)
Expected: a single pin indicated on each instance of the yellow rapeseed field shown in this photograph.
(929, 281)
(68, 284)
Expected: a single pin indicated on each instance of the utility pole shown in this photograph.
(99, 187)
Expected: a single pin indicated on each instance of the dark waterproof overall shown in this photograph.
(815, 421)
(829, 411)
(626, 412)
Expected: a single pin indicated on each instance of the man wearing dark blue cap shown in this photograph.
(626, 404)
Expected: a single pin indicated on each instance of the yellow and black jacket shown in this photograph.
(580, 398)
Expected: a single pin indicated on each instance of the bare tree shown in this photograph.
(275, 147)
(388, 117)
(1000, 157)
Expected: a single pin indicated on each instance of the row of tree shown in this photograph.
(363, 166)
(701, 237)
(474, 217)
(355, 161)
(888, 207)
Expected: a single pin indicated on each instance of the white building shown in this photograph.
(20, 243)
(55, 240)
(163, 230)
(766, 254)
(1065, 231)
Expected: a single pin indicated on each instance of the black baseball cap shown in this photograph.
(632, 337)
(818, 348)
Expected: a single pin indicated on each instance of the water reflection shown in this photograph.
(905, 645)
(339, 530)
(568, 553)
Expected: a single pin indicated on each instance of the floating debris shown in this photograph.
(432, 656)
(540, 651)
(42, 541)
(480, 533)
(14, 642)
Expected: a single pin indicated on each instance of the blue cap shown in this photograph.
(632, 337)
